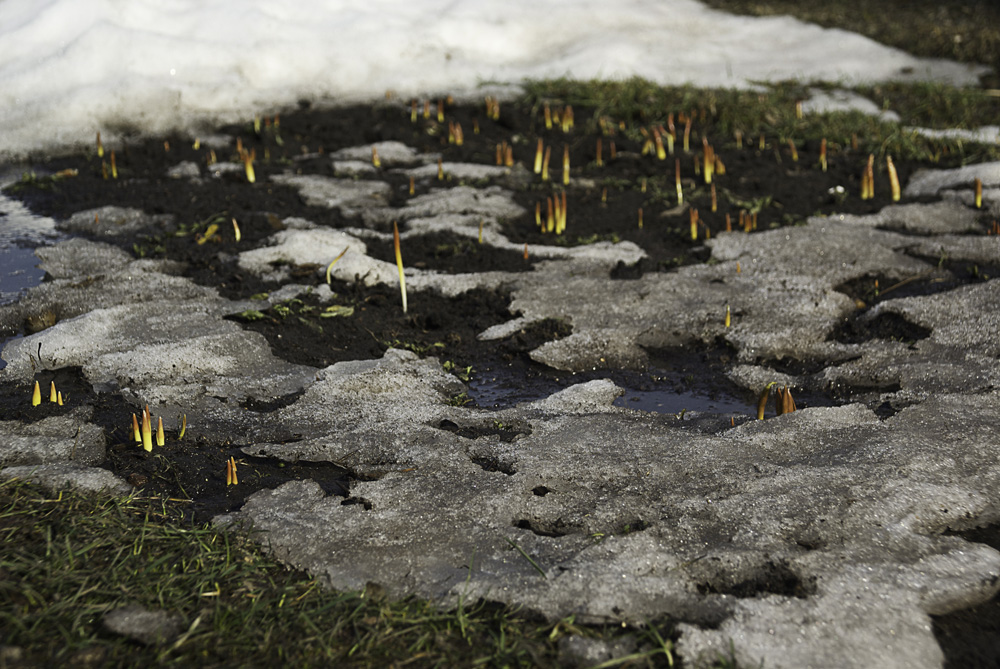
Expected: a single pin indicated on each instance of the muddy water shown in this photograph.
(21, 232)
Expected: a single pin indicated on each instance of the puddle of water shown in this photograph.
(501, 393)
(672, 402)
(493, 392)
(21, 232)
(19, 271)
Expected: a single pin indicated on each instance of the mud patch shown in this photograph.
(504, 432)
(450, 253)
(772, 578)
(859, 329)
(362, 322)
(971, 637)
(191, 468)
(543, 528)
(944, 275)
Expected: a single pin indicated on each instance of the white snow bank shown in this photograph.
(69, 68)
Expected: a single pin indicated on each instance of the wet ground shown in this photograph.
(761, 178)
(762, 181)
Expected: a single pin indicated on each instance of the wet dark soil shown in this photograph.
(763, 185)
(971, 637)
(191, 469)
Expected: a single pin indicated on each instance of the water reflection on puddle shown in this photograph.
(503, 393)
(670, 401)
(21, 232)
(19, 271)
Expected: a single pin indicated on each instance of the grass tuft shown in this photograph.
(70, 559)
(770, 112)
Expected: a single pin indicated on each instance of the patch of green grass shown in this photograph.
(69, 559)
(251, 315)
(151, 246)
(188, 229)
(935, 105)
(31, 180)
(459, 400)
(417, 347)
(463, 373)
(771, 112)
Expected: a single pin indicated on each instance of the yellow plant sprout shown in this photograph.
(567, 118)
(209, 233)
(561, 222)
(870, 173)
(661, 153)
(147, 431)
(893, 179)
(784, 402)
(231, 476)
(794, 152)
(36, 395)
(709, 154)
(329, 268)
(248, 166)
(399, 263)
(677, 181)
(762, 401)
